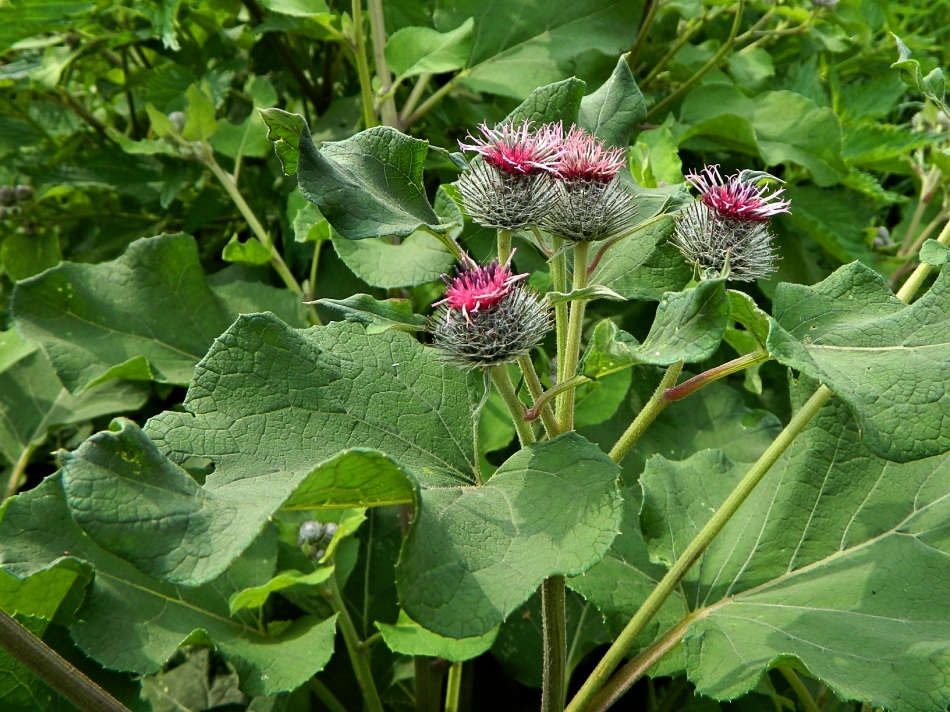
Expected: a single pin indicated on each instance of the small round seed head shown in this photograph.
(505, 200)
(487, 317)
(590, 210)
(739, 249)
(738, 197)
(314, 538)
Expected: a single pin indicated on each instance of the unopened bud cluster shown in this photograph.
(727, 229)
(487, 317)
(314, 538)
(565, 181)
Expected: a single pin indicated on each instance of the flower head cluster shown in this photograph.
(500, 320)
(727, 229)
(564, 181)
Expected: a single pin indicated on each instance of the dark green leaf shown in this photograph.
(421, 50)
(689, 325)
(285, 130)
(854, 335)
(379, 316)
(519, 47)
(552, 508)
(147, 314)
(613, 111)
(134, 623)
(409, 638)
(369, 185)
(555, 102)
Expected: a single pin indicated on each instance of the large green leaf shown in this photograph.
(264, 384)
(887, 360)
(138, 505)
(646, 264)
(555, 102)
(369, 185)
(689, 325)
(839, 559)
(420, 258)
(34, 402)
(778, 126)
(148, 315)
(129, 621)
(411, 51)
(519, 46)
(552, 508)
(615, 109)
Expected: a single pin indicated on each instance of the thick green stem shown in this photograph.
(658, 401)
(49, 666)
(325, 695)
(649, 18)
(554, 681)
(559, 284)
(354, 647)
(362, 67)
(453, 687)
(434, 99)
(377, 25)
(694, 550)
(502, 381)
(927, 185)
(639, 665)
(795, 682)
(429, 673)
(16, 476)
(572, 347)
(504, 245)
(907, 292)
(537, 392)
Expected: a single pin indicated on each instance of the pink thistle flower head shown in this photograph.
(518, 149)
(476, 288)
(738, 197)
(584, 157)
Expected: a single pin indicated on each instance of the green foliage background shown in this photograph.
(156, 254)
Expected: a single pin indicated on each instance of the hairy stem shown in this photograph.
(362, 67)
(658, 401)
(16, 476)
(377, 25)
(453, 687)
(325, 695)
(638, 666)
(687, 388)
(572, 348)
(694, 550)
(907, 292)
(554, 681)
(559, 284)
(53, 669)
(502, 381)
(354, 647)
(645, 25)
(537, 394)
(795, 682)
(434, 99)
(504, 245)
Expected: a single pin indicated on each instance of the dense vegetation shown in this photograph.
(237, 474)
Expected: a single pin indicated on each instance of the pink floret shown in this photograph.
(735, 198)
